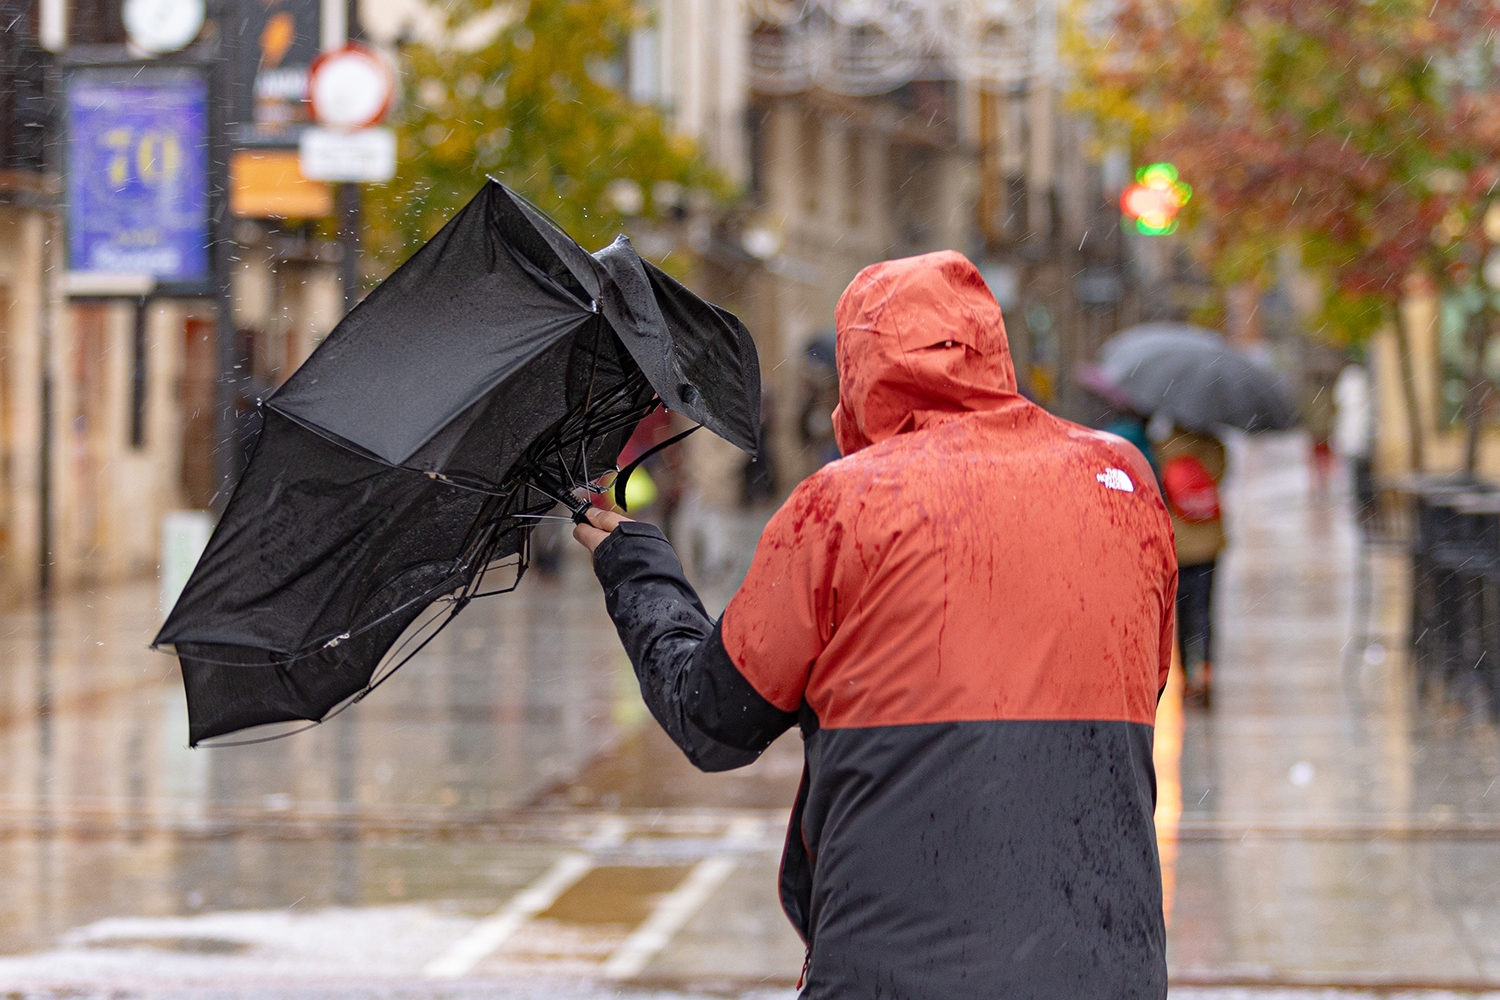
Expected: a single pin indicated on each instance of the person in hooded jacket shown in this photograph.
(970, 618)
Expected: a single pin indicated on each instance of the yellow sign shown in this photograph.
(267, 184)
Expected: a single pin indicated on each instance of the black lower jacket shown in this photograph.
(941, 861)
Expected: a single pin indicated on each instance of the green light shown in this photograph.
(1147, 229)
(1157, 175)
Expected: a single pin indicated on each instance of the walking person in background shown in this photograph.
(969, 617)
(1318, 416)
(1132, 427)
(1192, 466)
(1352, 432)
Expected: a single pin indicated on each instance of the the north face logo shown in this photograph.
(1116, 479)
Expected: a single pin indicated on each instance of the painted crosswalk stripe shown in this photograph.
(490, 933)
(677, 907)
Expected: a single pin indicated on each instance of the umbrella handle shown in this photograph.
(576, 504)
(623, 476)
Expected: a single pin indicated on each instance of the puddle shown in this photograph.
(616, 895)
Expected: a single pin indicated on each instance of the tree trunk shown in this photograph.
(1409, 393)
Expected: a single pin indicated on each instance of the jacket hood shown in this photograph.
(918, 338)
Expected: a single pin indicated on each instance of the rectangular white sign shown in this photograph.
(184, 536)
(366, 155)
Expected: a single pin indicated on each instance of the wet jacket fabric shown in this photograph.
(970, 618)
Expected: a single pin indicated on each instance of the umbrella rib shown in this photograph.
(430, 595)
(355, 698)
(264, 739)
(375, 683)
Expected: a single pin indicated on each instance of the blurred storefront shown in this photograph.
(111, 372)
(1425, 390)
(852, 135)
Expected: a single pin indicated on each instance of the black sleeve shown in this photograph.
(688, 680)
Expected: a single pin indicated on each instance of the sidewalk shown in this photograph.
(1332, 830)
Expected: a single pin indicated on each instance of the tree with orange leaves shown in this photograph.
(1364, 133)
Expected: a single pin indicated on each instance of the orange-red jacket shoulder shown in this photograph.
(972, 557)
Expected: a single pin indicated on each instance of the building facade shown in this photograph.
(869, 131)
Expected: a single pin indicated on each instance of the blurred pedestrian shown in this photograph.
(1132, 427)
(1318, 417)
(1113, 412)
(1192, 466)
(820, 394)
(1353, 430)
(969, 616)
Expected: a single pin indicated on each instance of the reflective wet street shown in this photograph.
(503, 819)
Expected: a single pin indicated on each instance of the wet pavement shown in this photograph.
(502, 819)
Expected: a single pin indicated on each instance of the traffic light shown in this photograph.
(1155, 198)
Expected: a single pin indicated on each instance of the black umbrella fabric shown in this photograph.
(1192, 376)
(498, 370)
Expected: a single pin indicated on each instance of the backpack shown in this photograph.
(1191, 491)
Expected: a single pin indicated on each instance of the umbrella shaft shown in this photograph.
(578, 505)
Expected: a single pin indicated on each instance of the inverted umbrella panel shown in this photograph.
(495, 373)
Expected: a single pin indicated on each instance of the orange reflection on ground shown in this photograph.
(1167, 754)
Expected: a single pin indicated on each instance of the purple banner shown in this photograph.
(138, 173)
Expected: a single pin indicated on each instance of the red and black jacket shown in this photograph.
(970, 617)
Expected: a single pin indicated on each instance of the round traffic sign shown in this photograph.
(350, 87)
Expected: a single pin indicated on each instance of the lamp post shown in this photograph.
(221, 125)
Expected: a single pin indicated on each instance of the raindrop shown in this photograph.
(1302, 774)
(1375, 654)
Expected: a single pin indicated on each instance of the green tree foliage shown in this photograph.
(540, 108)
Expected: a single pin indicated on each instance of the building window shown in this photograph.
(811, 153)
(855, 180)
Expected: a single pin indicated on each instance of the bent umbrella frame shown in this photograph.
(494, 374)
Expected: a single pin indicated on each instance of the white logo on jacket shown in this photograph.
(1116, 479)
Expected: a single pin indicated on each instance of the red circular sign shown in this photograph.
(350, 88)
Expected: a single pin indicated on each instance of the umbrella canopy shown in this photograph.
(497, 370)
(1195, 378)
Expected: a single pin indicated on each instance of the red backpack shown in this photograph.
(1190, 490)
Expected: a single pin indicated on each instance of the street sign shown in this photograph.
(137, 172)
(364, 156)
(184, 536)
(279, 39)
(269, 184)
(350, 88)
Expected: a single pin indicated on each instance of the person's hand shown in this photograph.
(601, 523)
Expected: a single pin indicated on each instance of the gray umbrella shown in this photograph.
(1192, 376)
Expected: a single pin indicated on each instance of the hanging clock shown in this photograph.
(161, 26)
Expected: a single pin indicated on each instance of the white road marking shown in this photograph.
(677, 907)
(490, 933)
